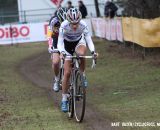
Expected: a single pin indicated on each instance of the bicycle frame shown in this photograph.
(77, 93)
(75, 62)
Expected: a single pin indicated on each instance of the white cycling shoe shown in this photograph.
(56, 86)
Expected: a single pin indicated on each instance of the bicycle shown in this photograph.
(61, 73)
(77, 91)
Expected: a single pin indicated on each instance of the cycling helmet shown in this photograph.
(74, 15)
(61, 14)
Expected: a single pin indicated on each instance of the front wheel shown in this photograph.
(70, 103)
(70, 98)
(79, 98)
(61, 73)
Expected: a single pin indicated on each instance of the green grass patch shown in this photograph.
(24, 106)
(123, 87)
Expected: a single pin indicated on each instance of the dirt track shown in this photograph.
(94, 120)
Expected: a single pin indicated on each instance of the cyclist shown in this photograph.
(53, 32)
(72, 36)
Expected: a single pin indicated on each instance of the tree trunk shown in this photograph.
(97, 8)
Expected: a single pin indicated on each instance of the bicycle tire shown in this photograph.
(70, 98)
(79, 98)
(70, 104)
(61, 73)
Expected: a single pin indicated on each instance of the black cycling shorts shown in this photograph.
(55, 41)
(70, 46)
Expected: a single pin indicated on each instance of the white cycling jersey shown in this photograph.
(70, 35)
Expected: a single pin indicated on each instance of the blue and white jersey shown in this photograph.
(66, 32)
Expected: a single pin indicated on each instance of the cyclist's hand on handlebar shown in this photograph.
(50, 49)
(62, 55)
(94, 54)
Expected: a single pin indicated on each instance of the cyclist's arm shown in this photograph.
(90, 43)
(51, 31)
(89, 40)
(60, 44)
(49, 37)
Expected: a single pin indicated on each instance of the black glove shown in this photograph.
(94, 55)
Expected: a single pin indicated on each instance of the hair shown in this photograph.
(69, 2)
(80, 1)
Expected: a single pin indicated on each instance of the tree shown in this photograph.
(142, 8)
(97, 8)
(4, 3)
(8, 7)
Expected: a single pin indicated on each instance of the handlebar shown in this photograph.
(94, 60)
(78, 57)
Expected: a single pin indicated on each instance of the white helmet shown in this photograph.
(74, 15)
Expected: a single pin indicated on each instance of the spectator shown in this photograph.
(110, 9)
(69, 5)
(82, 9)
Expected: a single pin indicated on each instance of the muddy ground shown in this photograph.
(93, 120)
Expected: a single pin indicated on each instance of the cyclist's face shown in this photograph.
(74, 26)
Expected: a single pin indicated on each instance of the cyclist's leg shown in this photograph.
(81, 50)
(67, 72)
(65, 85)
(69, 47)
(67, 66)
(55, 63)
(55, 66)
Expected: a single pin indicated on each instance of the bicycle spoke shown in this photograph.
(70, 100)
(79, 99)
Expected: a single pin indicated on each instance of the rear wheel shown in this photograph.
(79, 98)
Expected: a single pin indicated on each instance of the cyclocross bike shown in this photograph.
(77, 91)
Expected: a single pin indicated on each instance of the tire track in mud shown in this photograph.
(30, 67)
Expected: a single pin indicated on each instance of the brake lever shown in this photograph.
(93, 63)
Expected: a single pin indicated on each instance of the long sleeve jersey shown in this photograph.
(67, 33)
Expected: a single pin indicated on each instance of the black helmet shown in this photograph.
(61, 14)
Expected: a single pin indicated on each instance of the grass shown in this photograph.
(24, 106)
(123, 88)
